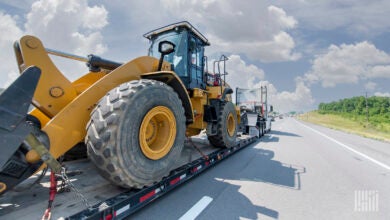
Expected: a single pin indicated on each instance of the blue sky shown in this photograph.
(306, 52)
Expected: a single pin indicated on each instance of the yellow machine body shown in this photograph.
(69, 113)
(64, 107)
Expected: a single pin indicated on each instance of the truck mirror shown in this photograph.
(166, 47)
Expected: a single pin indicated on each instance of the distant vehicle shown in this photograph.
(280, 116)
(254, 109)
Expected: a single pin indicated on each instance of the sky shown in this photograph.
(305, 52)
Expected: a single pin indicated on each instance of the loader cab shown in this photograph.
(188, 59)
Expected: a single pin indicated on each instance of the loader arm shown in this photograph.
(54, 90)
(67, 128)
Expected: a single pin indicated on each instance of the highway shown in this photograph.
(297, 171)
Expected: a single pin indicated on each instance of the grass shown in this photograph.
(348, 125)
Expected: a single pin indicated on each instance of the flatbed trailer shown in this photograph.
(112, 202)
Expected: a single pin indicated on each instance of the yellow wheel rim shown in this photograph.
(157, 133)
(231, 125)
(2, 187)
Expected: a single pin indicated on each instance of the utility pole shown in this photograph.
(264, 101)
(366, 111)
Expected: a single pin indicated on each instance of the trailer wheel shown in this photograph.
(261, 128)
(136, 133)
(226, 127)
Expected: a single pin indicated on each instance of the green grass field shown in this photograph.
(346, 124)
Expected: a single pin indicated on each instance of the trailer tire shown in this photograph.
(136, 133)
(260, 131)
(226, 127)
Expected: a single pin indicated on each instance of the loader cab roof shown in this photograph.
(184, 24)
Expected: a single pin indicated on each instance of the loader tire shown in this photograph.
(226, 127)
(136, 133)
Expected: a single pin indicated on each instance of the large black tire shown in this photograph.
(113, 133)
(225, 137)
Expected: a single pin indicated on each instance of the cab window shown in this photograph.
(177, 58)
(196, 62)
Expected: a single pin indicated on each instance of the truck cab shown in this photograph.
(188, 60)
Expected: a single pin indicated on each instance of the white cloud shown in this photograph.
(257, 29)
(95, 17)
(69, 25)
(349, 64)
(253, 27)
(8, 68)
(242, 75)
(370, 86)
(380, 71)
(298, 100)
(384, 94)
(281, 18)
(355, 16)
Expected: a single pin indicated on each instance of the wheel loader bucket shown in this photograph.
(14, 104)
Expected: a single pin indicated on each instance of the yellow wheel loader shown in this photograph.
(132, 117)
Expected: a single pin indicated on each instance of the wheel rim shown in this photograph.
(157, 132)
(3, 187)
(231, 127)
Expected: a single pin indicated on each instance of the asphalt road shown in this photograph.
(297, 171)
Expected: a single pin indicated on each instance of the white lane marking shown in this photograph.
(348, 148)
(197, 208)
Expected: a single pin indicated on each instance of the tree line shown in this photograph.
(376, 108)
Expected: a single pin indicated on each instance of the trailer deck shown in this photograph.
(110, 201)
